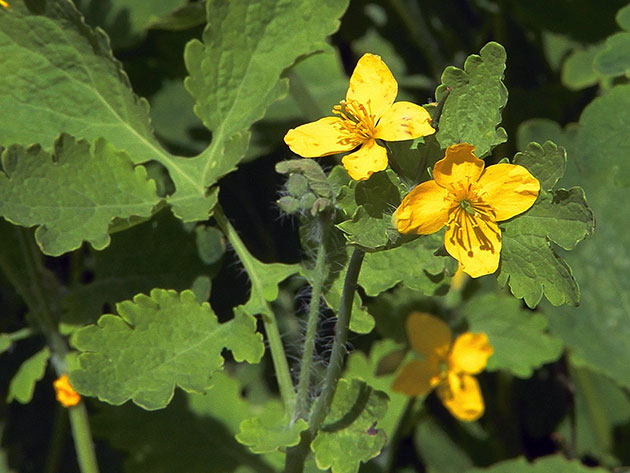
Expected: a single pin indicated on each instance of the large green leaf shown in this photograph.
(529, 264)
(476, 96)
(601, 263)
(235, 74)
(350, 434)
(157, 343)
(517, 335)
(58, 193)
(550, 464)
(32, 370)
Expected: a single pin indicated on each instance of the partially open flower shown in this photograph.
(445, 365)
(66, 395)
(368, 113)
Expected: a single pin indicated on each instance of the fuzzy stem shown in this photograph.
(278, 355)
(319, 276)
(296, 456)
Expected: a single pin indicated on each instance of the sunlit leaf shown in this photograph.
(270, 431)
(156, 343)
(23, 382)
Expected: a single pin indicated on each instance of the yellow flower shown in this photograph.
(4, 4)
(470, 200)
(445, 365)
(66, 395)
(368, 113)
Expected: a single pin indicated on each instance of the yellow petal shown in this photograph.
(320, 138)
(474, 241)
(372, 85)
(415, 377)
(462, 397)
(367, 160)
(404, 121)
(458, 168)
(428, 335)
(424, 210)
(470, 353)
(509, 188)
(66, 395)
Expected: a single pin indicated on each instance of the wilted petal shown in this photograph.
(458, 168)
(364, 162)
(404, 121)
(424, 210)
(475, 242)
(428, 335)
(470, 353)
(461, 395)
(373, 85)
(415, 379)
(320, 138)
(509, 188)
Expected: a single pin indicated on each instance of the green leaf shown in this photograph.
(529, 263)
(550, 464)
(23, 382)
(517, 335)
(350, 435)
(235, 75)
(270, 431)
(600, 406)
(157, 343)
(5, 342)
(126, 268)
(612, 60)
(198, 441)
(57, 193)
(414, 264)
(264, 279)
(362, 367)
(578, 71)
(601, 263)
(476, 96)
(369, 206)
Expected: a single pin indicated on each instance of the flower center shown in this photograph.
(467, 206)
(357, 122)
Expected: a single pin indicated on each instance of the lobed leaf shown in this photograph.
(612, 59)
(476, 96)
(270, 431)
(23, 382)
(156, 343)
(519, 338)
(349, 434)
(529, 263)
(57, 192)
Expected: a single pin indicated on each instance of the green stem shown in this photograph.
(21, 334)
(57, 440)
(83, 438)
(38, 300)
(319, 276)
(296, 456)
(278, 356)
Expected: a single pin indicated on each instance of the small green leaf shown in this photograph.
(58, 194)
(157, 343)
(578, 71)
(529, 264)
(414, 264)
(270, 431)
(476, 96)
(265, 279)
(550, 464)
(5, 342)
(612, 60)
(518, 336)
(23, 382)
(350, 434)
(369, 206)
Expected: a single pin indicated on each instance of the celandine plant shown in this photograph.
(430, 304)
